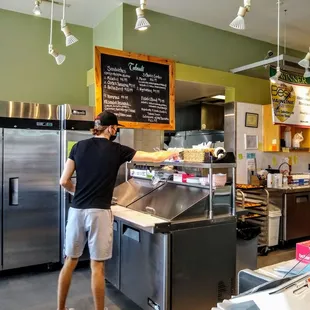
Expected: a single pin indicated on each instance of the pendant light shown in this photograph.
(275, 78)
(305, 63)
(307, 73)
(70, 38)
(238, 22)
(58, 57)
(142, 24)
(37, 10)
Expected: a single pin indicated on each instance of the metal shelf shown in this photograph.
(188, 164)
(209, 166)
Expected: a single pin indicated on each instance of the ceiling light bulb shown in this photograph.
(305, 63)
(238, 22)
(37, 11)
(307, 73)
(275, 78)
(141, 24)
(70, 38)
(58, 57)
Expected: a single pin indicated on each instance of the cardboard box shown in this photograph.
(303, 252)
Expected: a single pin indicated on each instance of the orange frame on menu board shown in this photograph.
(157, 105)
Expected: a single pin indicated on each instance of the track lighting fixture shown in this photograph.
(275, 78)
(37, 10)
(58, 57)
(305, 63)
(238, 22)
(307, 73)
(142, 23)
(70, 38)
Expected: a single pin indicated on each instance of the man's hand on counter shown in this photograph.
(156, 157)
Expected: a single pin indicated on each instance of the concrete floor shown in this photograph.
(36, 290)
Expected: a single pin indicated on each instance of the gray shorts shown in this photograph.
(94, 226)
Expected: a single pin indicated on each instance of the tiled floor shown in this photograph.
(37, 290)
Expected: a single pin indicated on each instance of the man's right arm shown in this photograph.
(156, 157)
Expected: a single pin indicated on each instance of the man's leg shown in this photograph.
(100, 242)
(98, 284)
(64, 281)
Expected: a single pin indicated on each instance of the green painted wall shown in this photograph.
(109, 33)
(30, 74)
(192, 43)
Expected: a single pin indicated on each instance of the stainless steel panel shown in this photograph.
(202, 266)
(230, 127)
(28, 110)
(170, 200)
(1, 200)
(144, 262)
(187, 139)
(134, 189)
(31, 211)
(78, 113)
(68, 138)
(112, 266)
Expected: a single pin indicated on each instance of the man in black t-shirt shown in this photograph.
(96, 162)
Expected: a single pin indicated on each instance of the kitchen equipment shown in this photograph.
(29, 184)
(157, 232)
(288, 137)
(294, 205)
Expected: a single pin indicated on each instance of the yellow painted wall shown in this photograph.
(239, 88)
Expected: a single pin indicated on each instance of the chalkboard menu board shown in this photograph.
(139, 89)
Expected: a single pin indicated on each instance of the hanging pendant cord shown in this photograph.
(278, 62)
(52, 16)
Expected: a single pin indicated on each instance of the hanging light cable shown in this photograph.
(275, 78)
(238, 22)
(58, 57)
(70, 38)
(142, 23)
(37, 10)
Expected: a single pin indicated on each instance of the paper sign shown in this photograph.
(290, 160)
(274, 161)
(250, 155)
(70, 146)
(295, 159)
(240, 156)
(285, 150)
(260, 146)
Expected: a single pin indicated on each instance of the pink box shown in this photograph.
(303, 252)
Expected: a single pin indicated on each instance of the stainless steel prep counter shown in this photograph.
(168, 254)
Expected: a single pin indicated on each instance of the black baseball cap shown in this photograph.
(107, 119)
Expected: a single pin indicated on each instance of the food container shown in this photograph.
(181, 177)
(219, 179)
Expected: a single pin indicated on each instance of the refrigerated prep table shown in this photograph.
(172, 251)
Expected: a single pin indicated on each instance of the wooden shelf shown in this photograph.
(275, 133)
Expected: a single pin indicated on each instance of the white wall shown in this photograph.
(241, 152)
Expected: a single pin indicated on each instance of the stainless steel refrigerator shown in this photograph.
(29, 178)
(76, 122)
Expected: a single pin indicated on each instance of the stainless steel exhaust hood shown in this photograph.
(287, 63)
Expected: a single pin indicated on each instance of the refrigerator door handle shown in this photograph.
(13, 191)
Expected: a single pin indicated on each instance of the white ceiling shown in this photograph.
(261, 21)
